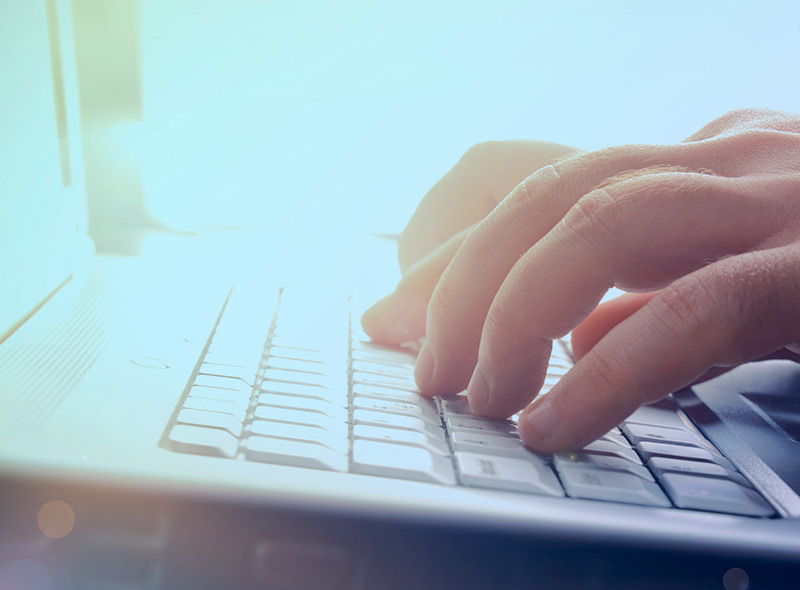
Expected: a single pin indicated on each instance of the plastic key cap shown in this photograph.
(203, 441)
(612, 486)
(294, 453)
(714, 495)
(401, 461)
(506, 473)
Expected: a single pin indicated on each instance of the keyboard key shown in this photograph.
(612, 486)
(326, 408)
(606, 462)
(638, 433)
(293, 416)
(335, 441)
(407, 384)
(506, 473)
(223, 383)
(212, 420)
(299, 390)
(383, 369)
(456, 405)
(614, 436)
(228, 395)
(294, 453)
(655, 449)
(490, 444)
(401, 360)
(214, 405)
(661, 465)
(714, 495)
(605, 447)
(203, 441)
(299, 354)
(468, 423)
(400, 436)
(300, 366)
(389, 393)
(653, 415)
(301, 378)
(232, 371)
(405, 408)
(405, 462)
(372, 418)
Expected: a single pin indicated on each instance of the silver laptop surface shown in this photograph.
(161, 427)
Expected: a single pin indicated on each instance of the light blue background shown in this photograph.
(310, 113)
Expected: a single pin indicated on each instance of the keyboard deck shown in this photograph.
(276, 395)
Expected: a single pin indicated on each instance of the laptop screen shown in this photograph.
(42, 201)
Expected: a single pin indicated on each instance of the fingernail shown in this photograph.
(478, 390)
(423, 371)
(542, 420)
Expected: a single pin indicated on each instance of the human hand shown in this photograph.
(483, 176)
(706, 235)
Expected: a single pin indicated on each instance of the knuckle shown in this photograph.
(691, 308)
(592, 219)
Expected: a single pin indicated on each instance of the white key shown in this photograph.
(231, 371)
(714, 495)
(371, 418)
(385, 381)
(489, 444)
(399, 436)
(506, 473)
(406, 462)
(223, 383)
(300, 366)
(459, 406)
(470, 423)
(654, 449)
(226, 395)
(656, 416)
(212, 420)
(382, 369)
(300, 354)
(294, 453)
(387, 393)
(605, 447)
(397, 407)
(214, 405)
(661, 465)
(302, 378)
(638, 433)
(335, 441)
(301, 417)
(299, 390)
(611, 486)
(203, 441)
(335, 411)
(607, 462)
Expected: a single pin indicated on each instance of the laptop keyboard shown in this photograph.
(277, 395)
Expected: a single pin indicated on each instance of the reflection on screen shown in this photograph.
(39, 213)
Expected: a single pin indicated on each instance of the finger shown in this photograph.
(462, 298)
(607, 315)
(641, 235)
(400, 316)
(470, 190)
(733, 311)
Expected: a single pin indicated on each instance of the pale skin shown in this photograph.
(519, 242)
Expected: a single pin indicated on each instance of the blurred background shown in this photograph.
(338, 116)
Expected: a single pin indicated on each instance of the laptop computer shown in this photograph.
(163, 428)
